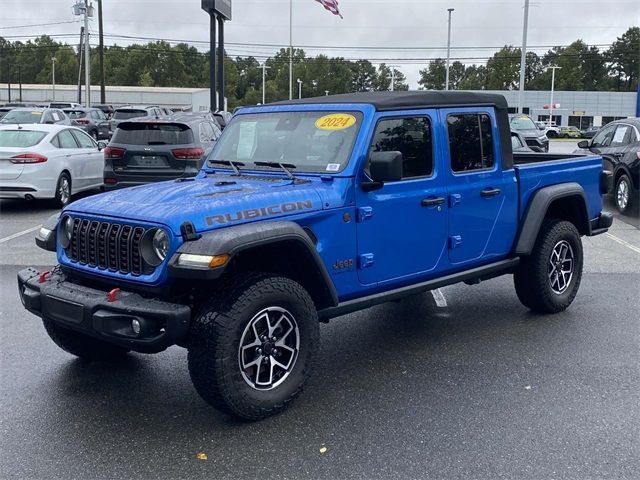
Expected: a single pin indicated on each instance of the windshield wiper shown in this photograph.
(230, 163)
(283, 166)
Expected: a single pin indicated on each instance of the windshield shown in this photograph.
(22, 116)
(126, 114)
(20, 138)
(523, 123)
(312, 141)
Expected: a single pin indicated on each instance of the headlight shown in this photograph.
(65, 231)
(161, 244)
(154, 246)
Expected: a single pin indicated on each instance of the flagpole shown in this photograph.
(290, 49)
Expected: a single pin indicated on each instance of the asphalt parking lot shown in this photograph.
(479, 388)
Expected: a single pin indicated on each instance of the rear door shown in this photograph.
(482, 199)
(402, 228)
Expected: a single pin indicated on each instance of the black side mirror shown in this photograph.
(583, 144)
(384, 167)
(101, 146)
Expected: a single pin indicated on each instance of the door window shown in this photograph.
(206, 132)
(66, 139)
(603, 137)
(84, 140)
(470, 142)
(410, 136)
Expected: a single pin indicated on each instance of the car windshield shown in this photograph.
(126, 114)
(22, 116)
(75, 113)
(153, 134)
(20, 138)
(522, 123)
(312, 141)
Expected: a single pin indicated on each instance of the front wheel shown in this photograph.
(548, 279)
(622, 194)
(253, 347)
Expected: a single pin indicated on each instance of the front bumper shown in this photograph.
(89, 311)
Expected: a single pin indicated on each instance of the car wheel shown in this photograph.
(82, 346)
(548, 279)
(623, 194)
(63, 190)
(252, 348)
(552, 134)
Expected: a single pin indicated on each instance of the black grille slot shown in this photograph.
(108, 246)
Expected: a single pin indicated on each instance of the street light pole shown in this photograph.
(290, 49)
(53, 78)
(264, 82)
(299, 88)
(523, 55)
(87, 54)
(446, 82)
(553, 81)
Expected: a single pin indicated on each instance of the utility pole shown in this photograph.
(523, 54)
(20, 80)
(213, 99)
(446, 82)
(87, 54)
(553, 81)
(264, 82)
(101, 38)
(80, 57)
(53, 78)
(290, 49)
(393, 77)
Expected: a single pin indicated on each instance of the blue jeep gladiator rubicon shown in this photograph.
(304, 211)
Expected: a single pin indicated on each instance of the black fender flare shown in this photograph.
(236, 239)
(537, 210)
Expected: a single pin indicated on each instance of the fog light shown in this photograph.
(135, 326)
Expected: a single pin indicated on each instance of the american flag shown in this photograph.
(331, 5)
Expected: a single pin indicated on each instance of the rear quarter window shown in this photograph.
(126, 114)
(153, 134)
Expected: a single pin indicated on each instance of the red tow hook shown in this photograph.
(111, 297)
(43, 277)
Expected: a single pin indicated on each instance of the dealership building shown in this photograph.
(580, 109)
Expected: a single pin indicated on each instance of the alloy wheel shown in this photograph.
(622, 194)
(561, 267)
(64, 190)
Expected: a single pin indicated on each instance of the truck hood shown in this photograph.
(208, 201)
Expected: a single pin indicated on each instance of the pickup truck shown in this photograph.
(303, 212)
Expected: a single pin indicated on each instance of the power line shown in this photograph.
(37, 25)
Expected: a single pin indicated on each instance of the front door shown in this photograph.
(402, 227)
(482, 197)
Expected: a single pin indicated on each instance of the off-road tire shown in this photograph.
(82, 346)
(61, 200)
(620, 205)
(532, 277)
(216, 333)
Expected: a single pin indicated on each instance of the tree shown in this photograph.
(363, 76)
(433, 77)
(474, 78)
(503, 69)
(624, 58)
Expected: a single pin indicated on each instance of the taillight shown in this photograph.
(110, 180)
(28, 158)
(83, 121)
(114, 152)
(188, 153)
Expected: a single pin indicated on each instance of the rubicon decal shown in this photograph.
(259, 212)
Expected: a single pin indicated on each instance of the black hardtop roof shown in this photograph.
(406, 100)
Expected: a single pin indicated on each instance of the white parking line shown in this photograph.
(438, 296)
(19, 234)
(623, 242)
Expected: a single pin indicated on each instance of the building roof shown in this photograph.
(406, 100)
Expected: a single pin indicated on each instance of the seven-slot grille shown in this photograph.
(107, 245)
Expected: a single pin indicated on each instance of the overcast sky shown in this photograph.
(401, 32)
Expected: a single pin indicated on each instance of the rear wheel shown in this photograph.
(82, 346)
(63, 190)
(622, 195)
(252, 348)
(548, 279)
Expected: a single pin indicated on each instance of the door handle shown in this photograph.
(490, 192)
(432, 201)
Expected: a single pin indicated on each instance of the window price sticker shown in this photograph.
(335, 121)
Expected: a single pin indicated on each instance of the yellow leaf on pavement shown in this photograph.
(201, 456)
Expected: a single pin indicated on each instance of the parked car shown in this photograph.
(222, 118)
(619, 145)
(10, 106)
(589, 132)
(4, 110)
(550, 130)
(91, 120)
(63, 105)
(570, 132)
(48, 161)
(26, 115)
(536, 139)
(518, 143)
(106, 109)
(305, 211)
(128, 112)
(144, 151)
